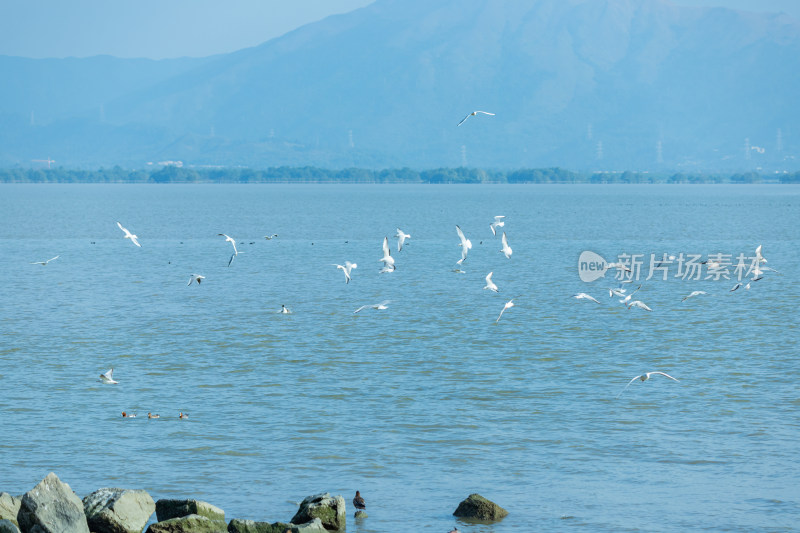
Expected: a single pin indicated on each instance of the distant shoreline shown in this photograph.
(175, 173)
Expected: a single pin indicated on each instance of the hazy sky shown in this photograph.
(174, 28)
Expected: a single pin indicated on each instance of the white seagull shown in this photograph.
(490, 284)
(129, 235)
(270, 237)
(759, 257)
(233, 242)
(473, 114)
(401, 238)
(388, 260)
(348, 266)
(498, 223)
(107, 379)
(383, 305)
(506, 251)
(285, 310)
(638, 303)
(627, 298)
(508, 304)
(645, 377)
(584, 296)
(694, 293)
(617, 292)
(465, 244)
(43, 263)
(196, 277)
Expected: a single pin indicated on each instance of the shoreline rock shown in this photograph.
(118, 510)
(52, 507)
(168, 509)
(9, 507)
(192, 523)
(7, 526)
(250, 526)
(478, 507)
(330, 510)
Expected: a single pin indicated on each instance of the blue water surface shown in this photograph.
(429, 400)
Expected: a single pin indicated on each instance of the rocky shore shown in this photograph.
(52, 507)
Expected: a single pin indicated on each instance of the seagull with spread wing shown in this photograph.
(129, 235)
(401, 238)
(645, 377)
(346, 268)
(465, 244)
(387, 259)
(490, 284)
(43, 263)
(473, 114)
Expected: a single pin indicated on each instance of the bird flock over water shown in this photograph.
(624, 294)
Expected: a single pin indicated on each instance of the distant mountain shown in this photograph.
(582, 84)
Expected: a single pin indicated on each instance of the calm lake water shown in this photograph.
(423, 403)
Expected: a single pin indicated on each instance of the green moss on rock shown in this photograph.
(478, 507)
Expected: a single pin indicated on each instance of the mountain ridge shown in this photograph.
(573, 83)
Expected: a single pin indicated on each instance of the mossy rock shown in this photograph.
(189, 524)
(167, 509)
(249, 526)
(9, 507)
(330, 510)
(478, 507)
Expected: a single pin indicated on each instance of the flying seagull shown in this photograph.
(401, 238)
(129, 235)
(640, 304)
(107, 379)
(584, 296)
(348, 266)
(760, 258)
(498, 223)
(645, 377)
(196, 277)
(233, 242)
(388, 260)
(465, 244)
(473, 114)
(490, 284)
(381, 306)
(43, 263)
(508, 304)
(270, 237)
(694, 293)
(506, 251)
(627, 298)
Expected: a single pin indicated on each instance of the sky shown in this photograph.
(160, 29)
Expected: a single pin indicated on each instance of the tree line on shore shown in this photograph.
(308, 174)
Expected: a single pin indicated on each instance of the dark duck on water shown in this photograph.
(358, 502)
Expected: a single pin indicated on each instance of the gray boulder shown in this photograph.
(189, 524)
(330, 510)
(167, 509)
(7, 526)
(314, 526)
(9, 507)
(478, 507)
(118, 510)
(249, 526)
(52, 507)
